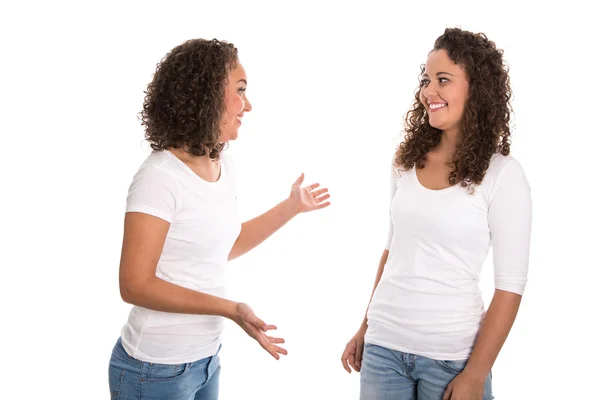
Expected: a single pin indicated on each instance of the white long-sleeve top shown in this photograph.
(428, 301)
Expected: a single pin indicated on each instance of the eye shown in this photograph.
(424, 81)
(241, 90)
(444, 80)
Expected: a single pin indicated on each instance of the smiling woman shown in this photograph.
(182, 226)
(445, 98)
(455, 191)
(466, 76)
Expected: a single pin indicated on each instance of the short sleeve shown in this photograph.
(153, 191)
(509, 217)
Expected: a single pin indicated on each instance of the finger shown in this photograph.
(313, 186)
(280, 350)
(447, 393)
(275, 339)
(270, 328)
(352, 361)
(323, 205)
(262, 340)
(257, 323)
(299, 180)
(319, 192)
(322, 198)
(359, 354)
(345, 361)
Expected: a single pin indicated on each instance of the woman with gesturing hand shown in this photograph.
(182, 226)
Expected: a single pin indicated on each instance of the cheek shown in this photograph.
(233, 106)
(422, 98)
(236, 106)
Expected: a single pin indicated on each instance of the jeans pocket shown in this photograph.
(454, 366)
(213, 365)
(163, 372)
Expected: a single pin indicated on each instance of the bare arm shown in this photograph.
(143, 241)
(352, 355)
(257, 230)
(497, 324)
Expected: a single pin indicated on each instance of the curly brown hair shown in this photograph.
(184, 102)
(485, 123)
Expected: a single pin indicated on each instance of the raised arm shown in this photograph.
(257, 230)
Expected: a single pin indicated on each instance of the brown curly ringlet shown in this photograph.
(184, 102)
(486, 119)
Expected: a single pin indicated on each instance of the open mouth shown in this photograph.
(437, 106)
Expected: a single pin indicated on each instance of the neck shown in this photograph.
(449, 142)
(192, 160)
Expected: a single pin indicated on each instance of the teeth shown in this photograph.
(436, 106)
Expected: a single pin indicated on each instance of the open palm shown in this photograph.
(307, 198)
(256, 328)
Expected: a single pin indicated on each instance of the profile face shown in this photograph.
(236, 104)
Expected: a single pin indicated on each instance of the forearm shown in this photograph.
(382, 262)
(496, 326)
(257, 230)
(160, 295)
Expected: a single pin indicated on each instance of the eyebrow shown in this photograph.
(439, 73)
(243, 80)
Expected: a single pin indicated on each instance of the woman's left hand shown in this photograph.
(465, 387)
(306, 199)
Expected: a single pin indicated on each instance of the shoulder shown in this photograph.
(157, 167)
(397, 170)
(501, 166)
(504, 172)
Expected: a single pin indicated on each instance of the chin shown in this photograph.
(228, 137)
(435, 125)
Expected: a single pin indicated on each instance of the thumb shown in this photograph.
(299, 180)
(257, 323)
(447, 393)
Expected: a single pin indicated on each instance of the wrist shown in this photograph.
(290, 209)
(230, 310)
(364, 326)
(476, 373)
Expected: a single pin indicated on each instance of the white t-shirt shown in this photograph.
(428, 301)
(204, 225)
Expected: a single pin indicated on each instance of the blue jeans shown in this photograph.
(388, 374)
(130, 379)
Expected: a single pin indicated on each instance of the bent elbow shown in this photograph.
(130, 291)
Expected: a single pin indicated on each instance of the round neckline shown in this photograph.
(416, 177)
(190, 171)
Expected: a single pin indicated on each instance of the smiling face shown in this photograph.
(236, 104)
(444, 92)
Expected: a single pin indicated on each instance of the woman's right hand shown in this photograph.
(255, 328)
(354, 351)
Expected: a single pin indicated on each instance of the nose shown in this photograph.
(430, 91)
(247, 105)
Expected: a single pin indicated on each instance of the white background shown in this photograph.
(330, 84)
